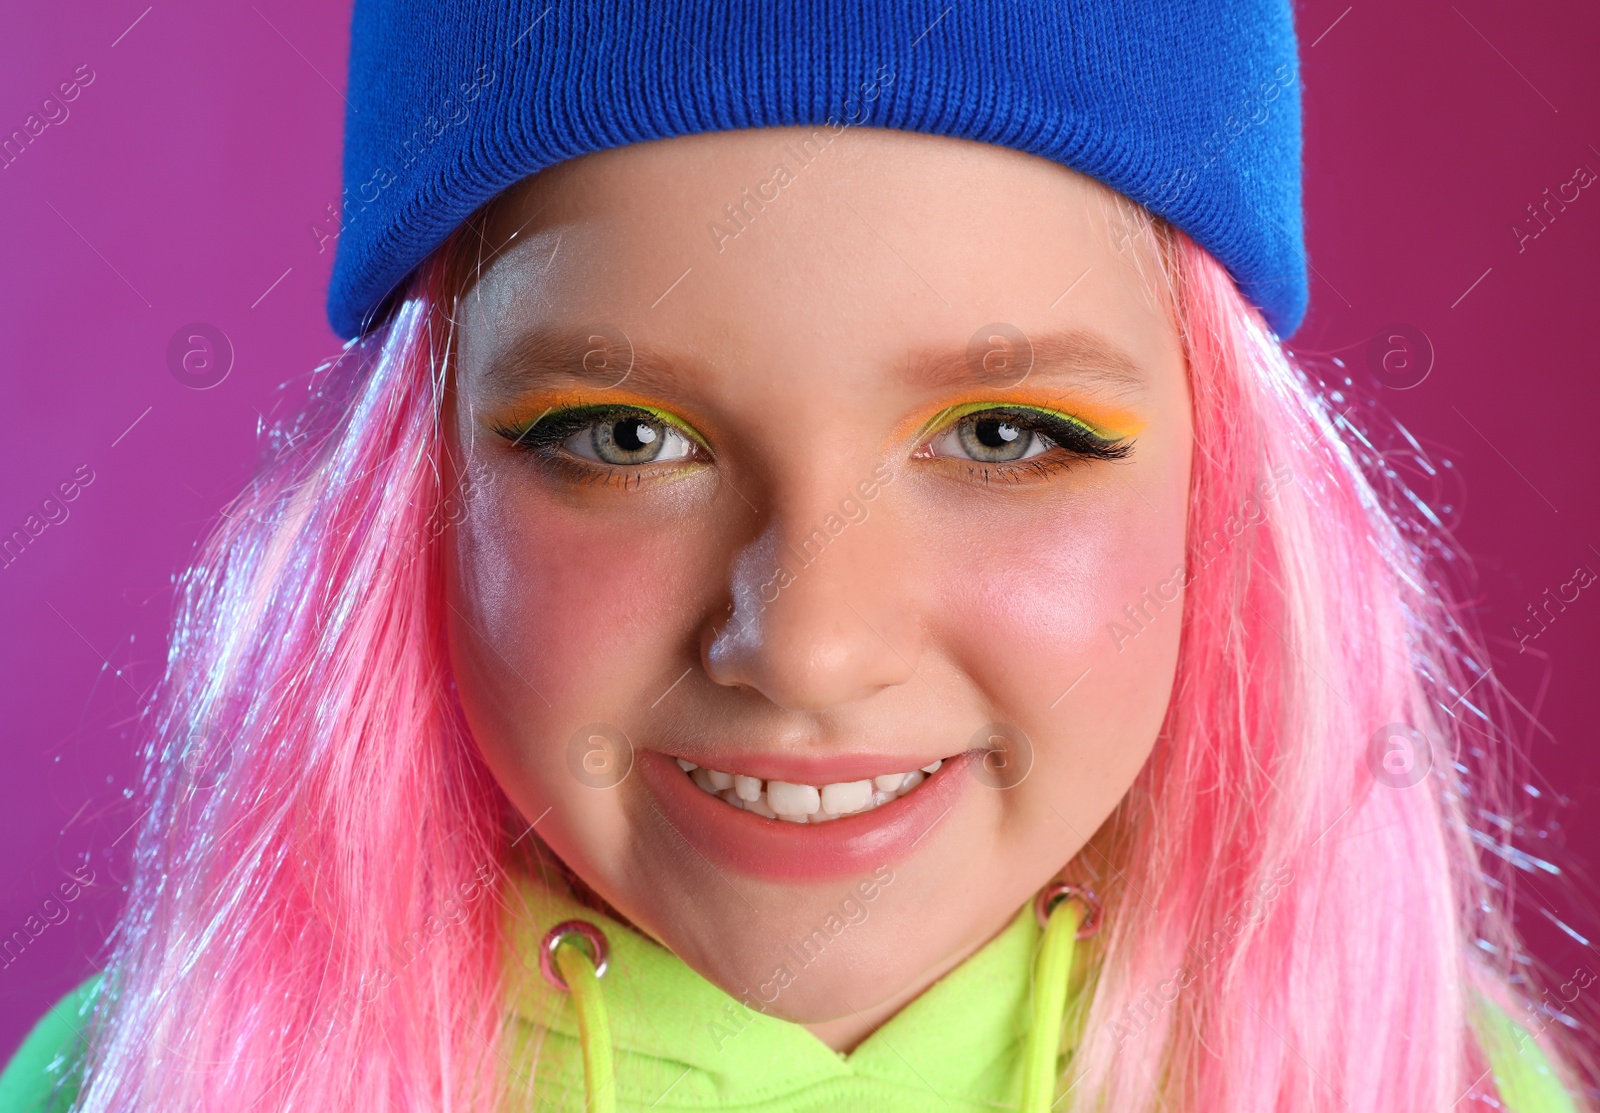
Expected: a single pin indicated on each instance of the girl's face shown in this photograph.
(813, 459)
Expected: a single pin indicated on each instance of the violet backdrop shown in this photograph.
(193, 178)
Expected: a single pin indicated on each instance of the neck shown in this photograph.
(845, 1033)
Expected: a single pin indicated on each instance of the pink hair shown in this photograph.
(1295, 925)
(307, 925)
(317, 806)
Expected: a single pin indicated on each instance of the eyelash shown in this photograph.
(1075, 441)
(547, 436)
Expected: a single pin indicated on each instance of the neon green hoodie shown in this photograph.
(680, 1043)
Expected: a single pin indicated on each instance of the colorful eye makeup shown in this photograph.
(618, 442)
(605, 442)
(986, 433)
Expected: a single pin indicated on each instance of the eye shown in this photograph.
(615, 436)
(1003, 435)
(995, 437)
(629, 439)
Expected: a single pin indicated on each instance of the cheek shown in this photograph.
(560, 618)
(560, 595)
(1071, 630)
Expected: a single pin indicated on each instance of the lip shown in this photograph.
(767, 848)
(811, 771)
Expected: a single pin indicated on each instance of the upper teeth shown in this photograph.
(800, 803)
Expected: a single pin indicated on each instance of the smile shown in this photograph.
(805, 820)
(805, 803)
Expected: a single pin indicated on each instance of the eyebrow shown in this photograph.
(598, 355)
(1079, 355)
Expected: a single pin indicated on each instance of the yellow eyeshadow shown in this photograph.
(1104, 422)
(535, 407)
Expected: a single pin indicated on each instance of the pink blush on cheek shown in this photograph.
(580, 605)
(1028, 619)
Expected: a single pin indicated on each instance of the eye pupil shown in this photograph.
(994, 440)
(997, 434)
(633, 434)
(630, 440)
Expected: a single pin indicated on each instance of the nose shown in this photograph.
(821, 614)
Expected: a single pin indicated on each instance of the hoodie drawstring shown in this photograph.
(577, 970)
(1068, 913)
(574, 956)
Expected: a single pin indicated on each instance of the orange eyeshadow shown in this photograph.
(530, 408)
(1105, 421)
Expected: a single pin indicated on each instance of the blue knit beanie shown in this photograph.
(1190, 107)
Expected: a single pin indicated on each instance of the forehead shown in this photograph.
(785, 249)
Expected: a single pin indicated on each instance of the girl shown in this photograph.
(820, 590)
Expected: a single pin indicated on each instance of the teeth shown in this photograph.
(842, 799)
(799, 803)
(787, 799)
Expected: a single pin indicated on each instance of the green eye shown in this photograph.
(994, 438)
(1009, 434)
(619, 436)
(630, 439)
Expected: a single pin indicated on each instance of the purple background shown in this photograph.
(194, 176)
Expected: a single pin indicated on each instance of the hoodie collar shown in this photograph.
(682, 1043)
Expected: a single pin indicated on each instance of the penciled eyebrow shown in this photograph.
(606, 357)
(1013, 358)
